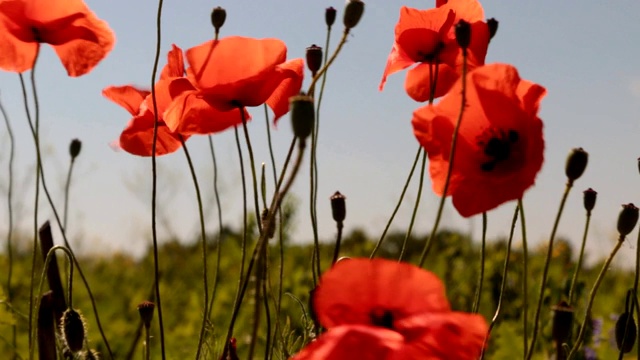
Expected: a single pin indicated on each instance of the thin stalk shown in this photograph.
(545, 271)
(476, 302)
(203, 238)
(576, 273)
(454, 140)
(503, 283)
(216, 278)
(12, 146)
(525, 277)
(635, 289)
(336, 249)
(328, 63)
(395, 210)
(415, 206)
(592, 296)
(147, 339)
(67, 188)
(254, 176)
(154, 173)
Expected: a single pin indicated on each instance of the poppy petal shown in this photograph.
(175, 63)
(352, 291)
(127, 96)
(418, 81)
(292, 73)
(398, 60)
(467, 10)
(353, 342)
(137, 137)
(419, 33)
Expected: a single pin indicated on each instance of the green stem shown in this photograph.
(576, 273)
(545, 271)
(254, 176)
(216, 278)
(592, 296)
(203, 239)
(67, 188)
(328, 63)
(503, 283)
(525, 277)
(476, 302)
(415, 206)
(336, 249)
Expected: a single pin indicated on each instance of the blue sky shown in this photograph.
(584, 53)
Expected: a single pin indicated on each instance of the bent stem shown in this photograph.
(503, 283)
(415, 206)
(525, 277)
(203, 238)
(395, 210)
(252, 163)
(154, 173)
(216, 193)
(545, 271)
(574, 280)
(328, 63)
(14, 331)
(476, 302)
(592, 296)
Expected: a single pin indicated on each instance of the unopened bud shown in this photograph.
(627, 219)
(576, 164)
(145, 309)
(590, 196)
(493, 27)
(352, 13)
(314, 58)
(626, 332)
(330, 16)
(463, 34)
(302, 115)
(73, 330)
(338, 207)
(74, 148)
(218, 16)
(562, 322)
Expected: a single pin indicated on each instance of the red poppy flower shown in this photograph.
(426, 37)
(237, 72)
(80, 39)
(381, 309)
(500, 144)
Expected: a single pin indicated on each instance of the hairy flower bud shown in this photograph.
(576, 164)
(218, 16)
(463, 34)
(330, 16)
(352, 13)
(145, 309)
(73, 330)
(627, 219)
(302, 115)
(590, 196)
(626, 332)
(314, 58)
(338, 207)
(74, 148)
(493, 27)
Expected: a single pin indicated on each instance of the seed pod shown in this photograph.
(330, 16)
(576, 164)
(146, 312)
(338, 207)
(627, 219)
(626, 325)
(218, 17)
(353, 13)
(463, 34)
(562, 321)
(74, 148)
(590, 196)
(302, 115)
(314, 58)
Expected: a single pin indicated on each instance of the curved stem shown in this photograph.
(395, 210)
(415, 206)
(476, 302)
(545, 272)
(216, 193)
(252, 163)
(203, 238)
(592, 296)
(503, 283)
(321, 72)
(154, 171)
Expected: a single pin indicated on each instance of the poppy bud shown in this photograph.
(330, 16)
(73, 330)
(338, 207)
(314, 58)
(463, 34)
(352, 13)
(218, 16)
(576, 164)
(302, 115)
(627, 219)
(589, 199)
(493, 27)
(562, 322)
(74, 148)
(145, 309)
(626, 332)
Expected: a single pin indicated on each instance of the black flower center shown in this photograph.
(432, 55)
(497, 147)
(382, 318)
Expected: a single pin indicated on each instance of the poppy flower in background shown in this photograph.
(500, 142)
(237, 72)
(427, 38)
(80, 39)
(382, 309)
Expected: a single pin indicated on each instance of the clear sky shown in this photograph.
(585, 53)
